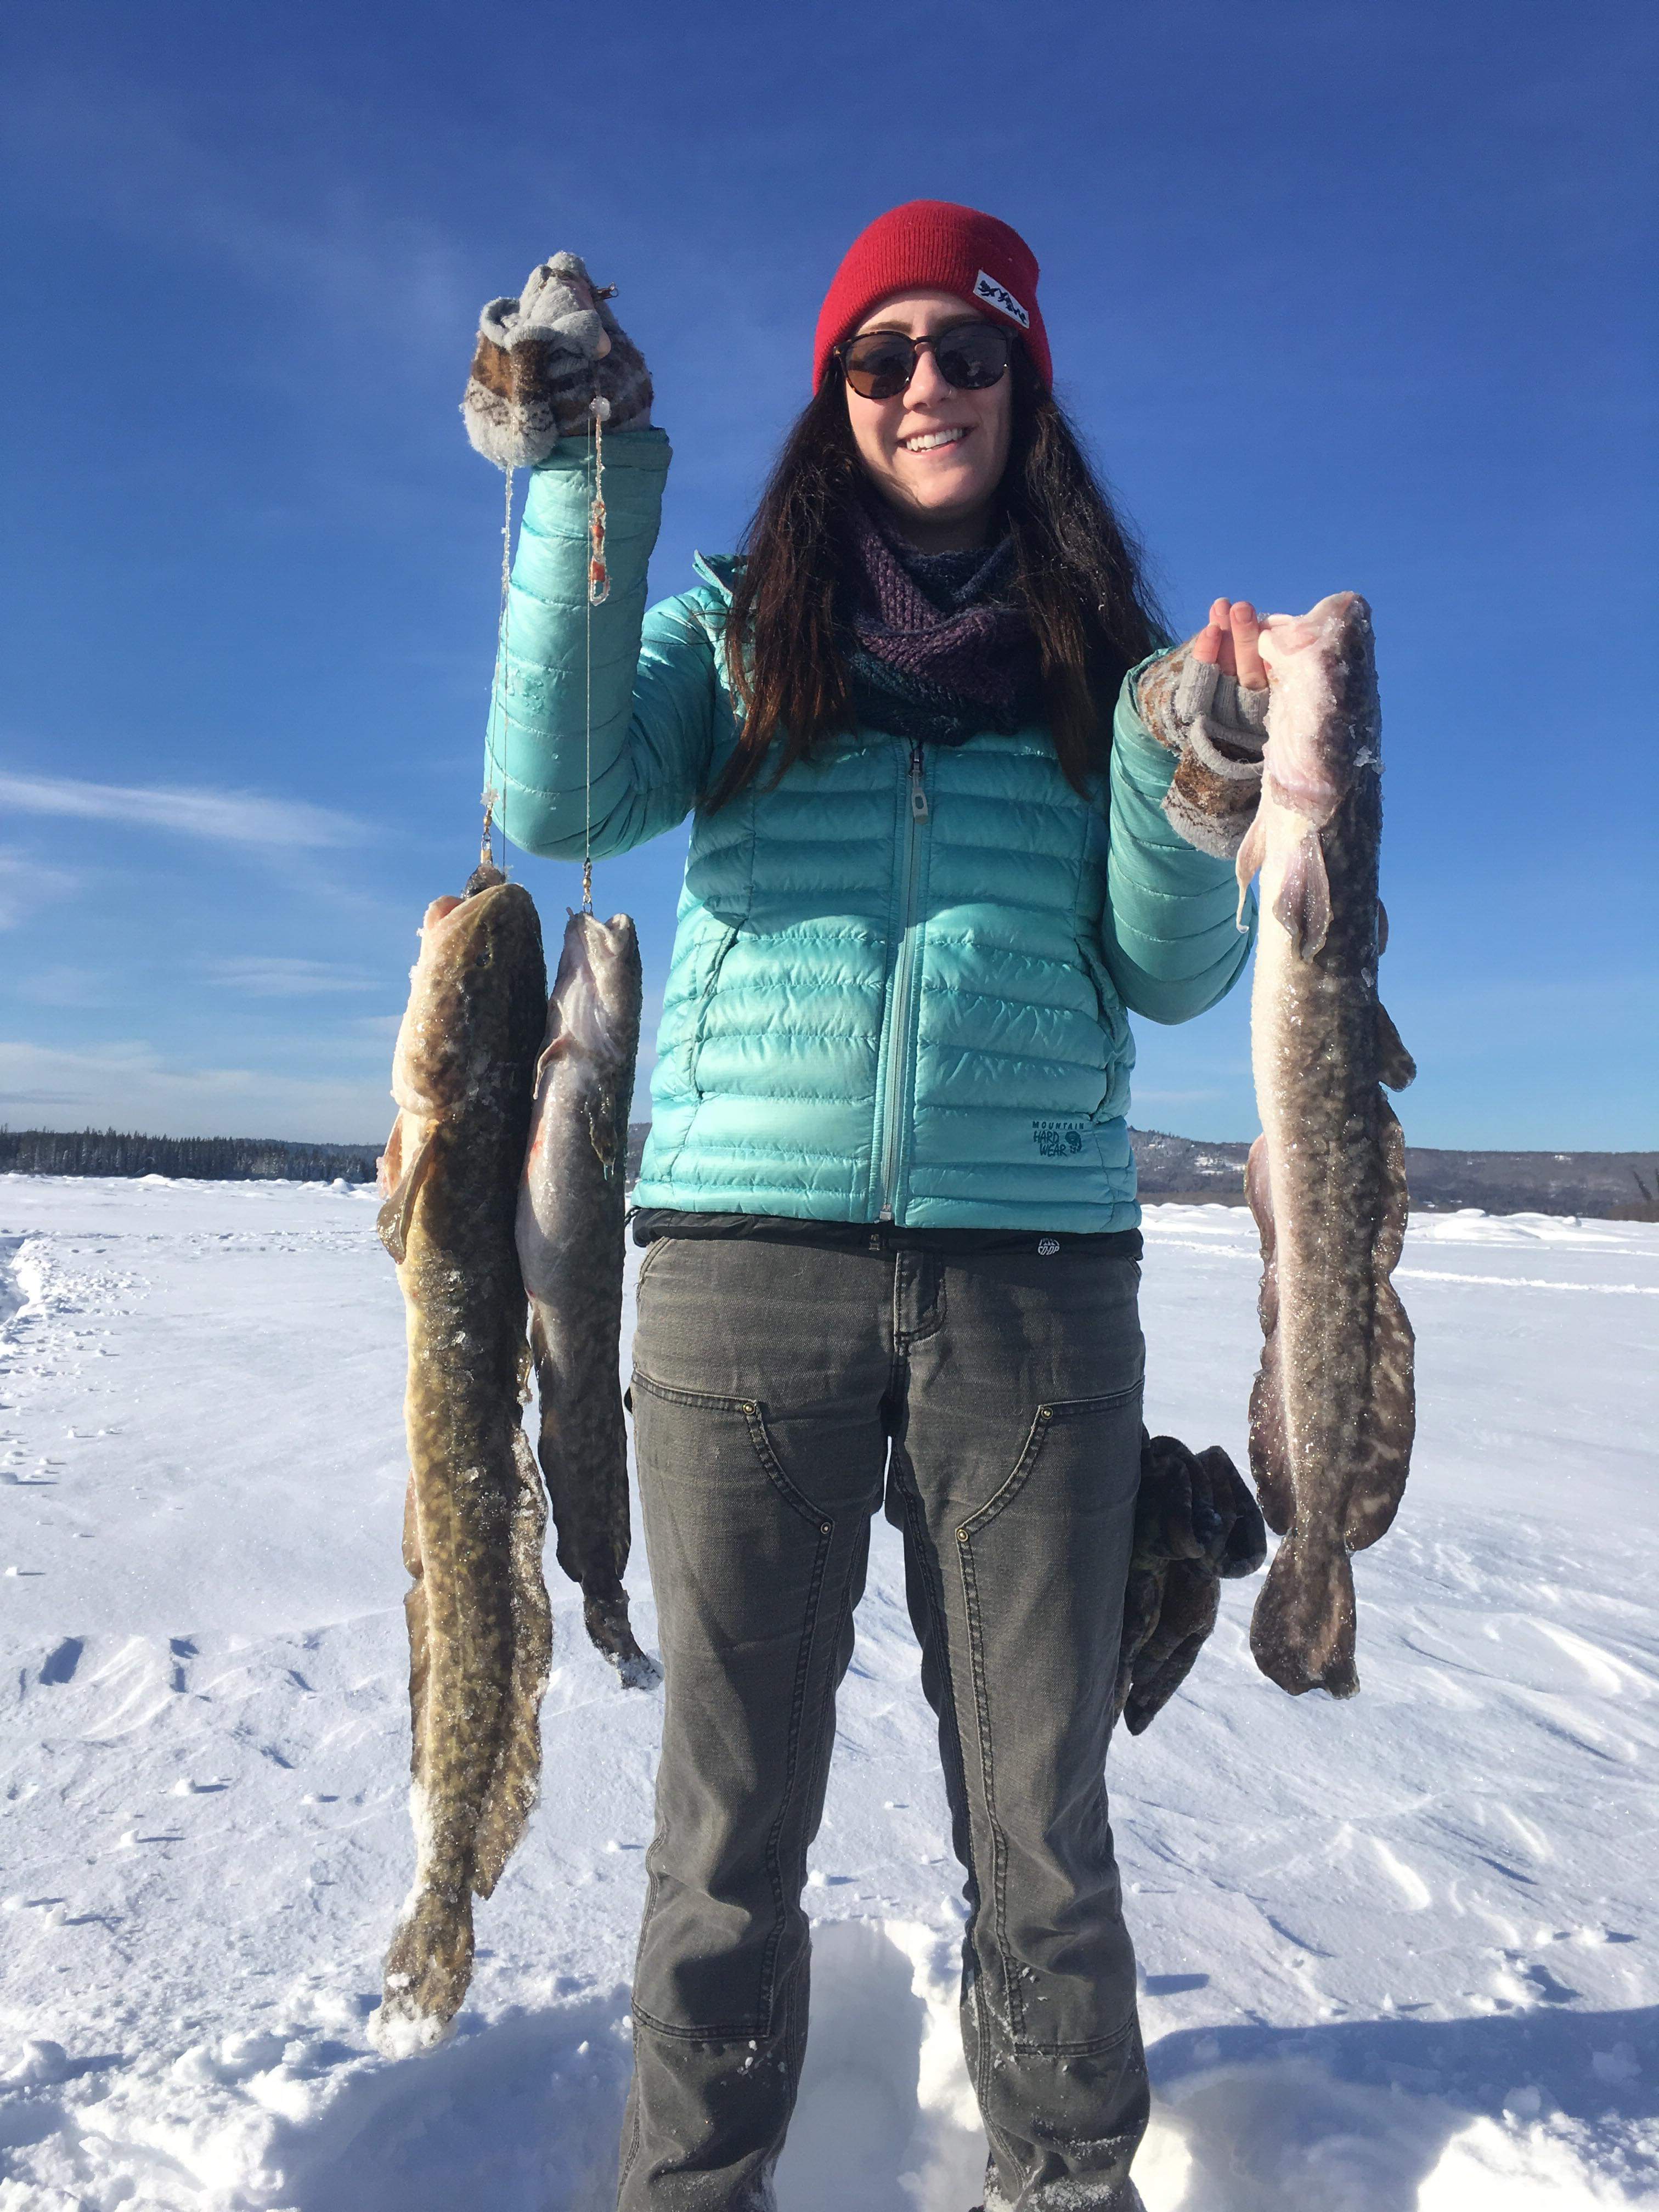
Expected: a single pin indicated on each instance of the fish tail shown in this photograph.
(584, 1457)
(1388, 1424)
(1302, 1632)
(429, 1966)
(511, 1793)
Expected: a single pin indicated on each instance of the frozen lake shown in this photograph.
(1395, 1953)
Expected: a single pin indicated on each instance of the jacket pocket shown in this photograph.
(1117, 1043)
(727, 938)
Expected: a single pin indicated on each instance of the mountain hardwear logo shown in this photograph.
(1055, 1139)
(998, 296)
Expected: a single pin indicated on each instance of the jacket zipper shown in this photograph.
(898, 1050)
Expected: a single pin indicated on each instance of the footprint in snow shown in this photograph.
(59, 1666)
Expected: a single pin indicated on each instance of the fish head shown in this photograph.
(471, 995)
(595, 1004)
(1321, 716)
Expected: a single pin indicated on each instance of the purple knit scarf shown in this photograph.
(938, 636)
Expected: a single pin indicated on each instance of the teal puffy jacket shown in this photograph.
(899, 978)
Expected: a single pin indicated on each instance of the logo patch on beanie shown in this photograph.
(997, 296)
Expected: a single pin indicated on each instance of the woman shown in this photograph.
(956, 809)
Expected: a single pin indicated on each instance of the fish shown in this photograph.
(1333, 1408)
(571, 1214)
(480, 1627)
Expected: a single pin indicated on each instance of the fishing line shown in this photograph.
(485, 852)
(599, 591)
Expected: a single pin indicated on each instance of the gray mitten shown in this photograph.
(1216, 728)
(1196, 1524)
(540, 360)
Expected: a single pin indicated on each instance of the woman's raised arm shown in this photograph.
(601, 720)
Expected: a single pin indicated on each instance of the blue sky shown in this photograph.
(1343, 296)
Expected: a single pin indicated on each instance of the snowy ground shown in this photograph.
(1396, 1954)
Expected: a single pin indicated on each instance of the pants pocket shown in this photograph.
(1091, 1430)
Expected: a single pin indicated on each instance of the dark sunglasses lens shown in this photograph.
(973, 357)
(879, 367)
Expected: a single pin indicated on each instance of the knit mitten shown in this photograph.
(1195, 1523)
(1216, 728)
(540, 360)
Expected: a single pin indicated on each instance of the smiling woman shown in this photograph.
(951, 824)
(932, 432)
(929, 403)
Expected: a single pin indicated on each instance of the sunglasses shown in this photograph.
(879, 364)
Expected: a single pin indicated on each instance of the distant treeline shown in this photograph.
(215, 1159)
(1621, 1185)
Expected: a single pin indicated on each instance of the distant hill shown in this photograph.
(1608, 1184)
(1174, 1169)
(1611, 1185)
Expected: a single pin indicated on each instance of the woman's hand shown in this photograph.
(1231, 638)
(540, 361)
(1207, 702)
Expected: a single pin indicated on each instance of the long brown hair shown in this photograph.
(1078, 575)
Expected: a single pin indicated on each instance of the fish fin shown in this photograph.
(415, 1617)
(601, 1113)
(583, 1450)
(1303, 903)
(1251, 854)
(393, 1217)
(1270, 1452)
(515, 1784)
(554, 1045)
(1388, 1420)
(1397, 1066)
(1382, 929)
(388, 1169)
(1302, 1630)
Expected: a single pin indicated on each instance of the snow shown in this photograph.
(1395, 1953)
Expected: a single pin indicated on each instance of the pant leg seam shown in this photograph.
(792, 1773)
(988, 1781)
(916, 1517)
(828, 1692)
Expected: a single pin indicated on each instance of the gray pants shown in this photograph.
(781, 1391)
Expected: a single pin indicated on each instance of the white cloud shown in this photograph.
(63, 985)
(131, 1086)
(235, 817)
(26, 884)
(276, 977)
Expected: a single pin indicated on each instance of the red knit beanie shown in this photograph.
(928, 243)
